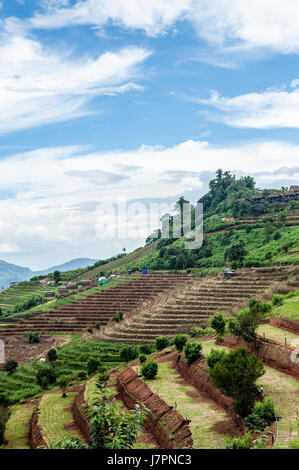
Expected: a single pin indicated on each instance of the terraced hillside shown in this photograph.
(19, 294)
(99, 308)
(136, 254)
(195, 305)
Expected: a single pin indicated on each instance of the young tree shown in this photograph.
(247, 322)
(218, 323)
(57, 276)
(236, 253)
(236, 375)
(52, 355)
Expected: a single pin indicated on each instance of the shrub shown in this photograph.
(235, 375)
(92, 366)
(52, 355)
(146, 348)
(161, 343)
(239, 442)
(45, 376)
(63, 381)
(215, 356)
(103, 376)
(149, 370)
(247, 322)
(89, 329)
(277, 299)
(193, 351)
(97, 326)
(82, 375)
(262, 416)
(142, 358)
(10, 366)
(118, 317)
(180, 341)
(128, 353)
(218, 323)
(33, 337)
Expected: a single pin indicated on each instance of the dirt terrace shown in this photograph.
(98, 308)
(194, 305)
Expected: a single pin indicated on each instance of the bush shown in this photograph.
(149, 370)
(263, 415)
(161, 343)
(52, 355)
(89, 329)
(142, 358)
(92, 366)
(180, 341)
(63, 381)
(33, 337)
(118, 317)
(103, 376)
(239, 442)
(215, 356)
(146, 348)
(10, 366)
(128, 353)
(193, 351)
(218, 323)
(277, 299)
(235, 375)
(45, 376)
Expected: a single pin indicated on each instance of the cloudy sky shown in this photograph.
(137, 100)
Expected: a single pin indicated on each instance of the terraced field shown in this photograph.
(55, 418)
(195, 305)
(17, 428)
(13, 296)
(99, 308)
(206, 417)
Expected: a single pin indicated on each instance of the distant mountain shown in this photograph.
(13, 273)
(68, 266)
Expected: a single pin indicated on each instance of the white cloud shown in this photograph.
(53, 215)
(255, 24)
(8, 248)
(39, 86)
(269, 109)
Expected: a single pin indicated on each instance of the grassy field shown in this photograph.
(277, 334)
(289, 309)
(170, 386)
(16, 432)
(55, 415)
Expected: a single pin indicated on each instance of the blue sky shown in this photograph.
(141, 99)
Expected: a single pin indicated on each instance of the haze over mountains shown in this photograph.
(11, 272)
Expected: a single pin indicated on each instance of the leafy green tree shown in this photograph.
(236, 253)
(215, 356)
(236, 375)
(179, 341)
(93, 366)
(52, 355)
(45, 376)
(193, 351)
(263, 415)
(218, 323)
(149, 370)
(239, 442)
(246, 324)
(161, 343)
(57, 276)
(142, 358)
(128, 353)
